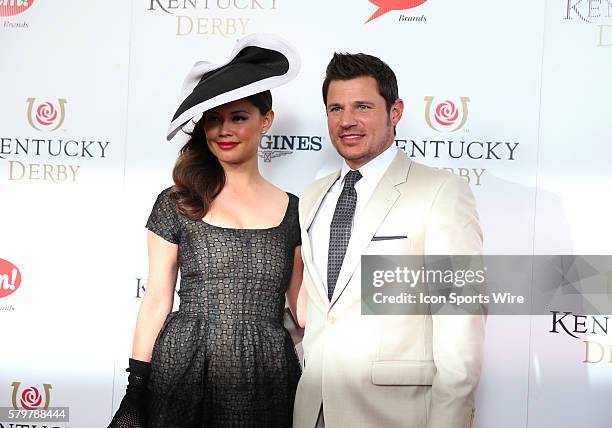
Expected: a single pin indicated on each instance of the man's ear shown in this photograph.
(397, 109)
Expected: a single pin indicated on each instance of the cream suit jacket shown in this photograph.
(391, 371)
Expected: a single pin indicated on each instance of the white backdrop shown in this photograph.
(87, 93)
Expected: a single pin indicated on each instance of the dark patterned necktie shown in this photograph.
(340, 229)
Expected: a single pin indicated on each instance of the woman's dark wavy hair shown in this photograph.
(198, 175)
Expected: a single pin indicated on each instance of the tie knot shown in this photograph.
(352, 177)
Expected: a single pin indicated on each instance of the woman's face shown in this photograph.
(233, 130)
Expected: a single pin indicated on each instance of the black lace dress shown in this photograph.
(224, 358)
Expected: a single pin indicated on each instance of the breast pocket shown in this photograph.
(389, 243)
(388, 237)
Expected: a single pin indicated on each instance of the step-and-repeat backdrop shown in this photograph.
(515, 97)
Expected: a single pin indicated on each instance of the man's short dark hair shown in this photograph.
(345, 66)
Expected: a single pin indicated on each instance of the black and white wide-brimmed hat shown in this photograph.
(259, 62)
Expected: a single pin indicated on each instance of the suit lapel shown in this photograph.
(317, 196)
(311, 206)
(382, 200)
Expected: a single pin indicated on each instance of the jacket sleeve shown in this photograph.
(454, 229)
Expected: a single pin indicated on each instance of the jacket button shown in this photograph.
(331, 319)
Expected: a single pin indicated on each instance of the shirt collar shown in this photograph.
(373, 171)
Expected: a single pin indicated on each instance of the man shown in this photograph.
(381, 371)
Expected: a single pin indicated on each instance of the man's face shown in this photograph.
(357, 119)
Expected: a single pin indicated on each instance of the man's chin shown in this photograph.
(351, 156)
(355, 161)
(349, 152)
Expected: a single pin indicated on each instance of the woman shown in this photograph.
(224, 359)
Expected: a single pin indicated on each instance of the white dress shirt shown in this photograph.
(318, 232)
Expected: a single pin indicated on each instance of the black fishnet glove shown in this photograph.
(132, 410)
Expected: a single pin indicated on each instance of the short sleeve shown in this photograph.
(164, 219)
(296, 233)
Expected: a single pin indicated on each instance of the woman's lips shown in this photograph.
(226, 145)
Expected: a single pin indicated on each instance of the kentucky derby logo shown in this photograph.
(31, 397)
(14, 7)
(592, 13)
(10, 278)
(446, 116)
(45, 115)
(385, 6)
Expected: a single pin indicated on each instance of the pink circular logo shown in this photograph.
(446, 113)
(46, 114)
(10, 278)
(14, 7)
(30, 398)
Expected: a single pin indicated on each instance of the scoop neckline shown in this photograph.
(250, 228)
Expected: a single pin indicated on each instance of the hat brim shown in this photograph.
(258, 63)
